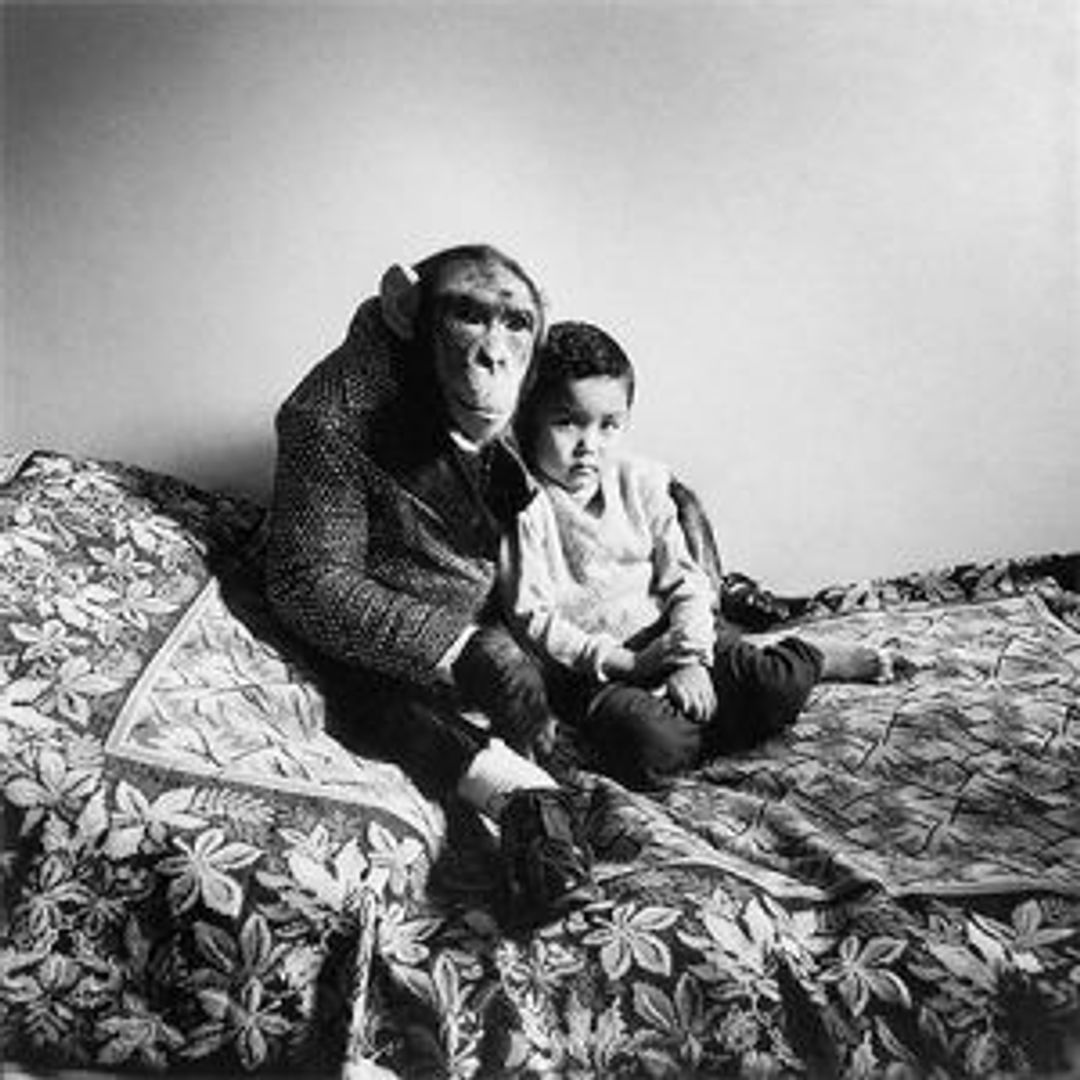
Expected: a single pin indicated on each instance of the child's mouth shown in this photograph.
(584, 471)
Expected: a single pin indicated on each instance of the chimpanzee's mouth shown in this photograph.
(478, 409)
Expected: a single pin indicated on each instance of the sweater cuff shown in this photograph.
(444, 668)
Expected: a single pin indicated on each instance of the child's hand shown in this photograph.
(690, 689)
(666, 651)
(544, 744)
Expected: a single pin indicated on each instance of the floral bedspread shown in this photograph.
(196, 877)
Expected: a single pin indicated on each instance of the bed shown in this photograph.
(198, 879)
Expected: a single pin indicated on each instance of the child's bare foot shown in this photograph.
(852, 663)
(861, 663)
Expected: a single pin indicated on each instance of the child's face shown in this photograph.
(578, 430)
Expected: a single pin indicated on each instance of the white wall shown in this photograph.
(839, 238)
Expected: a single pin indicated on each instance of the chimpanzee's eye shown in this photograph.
(462, 308)
(518, 321)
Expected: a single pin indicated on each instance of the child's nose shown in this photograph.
(587, 441)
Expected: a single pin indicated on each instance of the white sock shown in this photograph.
(495, 774)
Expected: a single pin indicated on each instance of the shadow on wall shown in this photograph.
(241, 466)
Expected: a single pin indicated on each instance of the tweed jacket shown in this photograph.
(384, 536)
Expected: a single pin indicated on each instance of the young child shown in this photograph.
(599, 581)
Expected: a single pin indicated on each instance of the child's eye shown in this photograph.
(610, 423)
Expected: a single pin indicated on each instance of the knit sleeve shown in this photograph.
(318, 578)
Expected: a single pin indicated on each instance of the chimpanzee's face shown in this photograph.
(485, 324)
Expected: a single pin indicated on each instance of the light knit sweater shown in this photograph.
(578, 580)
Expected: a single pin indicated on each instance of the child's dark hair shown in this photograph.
(571, 351)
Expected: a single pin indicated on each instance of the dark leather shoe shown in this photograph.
(546, 867)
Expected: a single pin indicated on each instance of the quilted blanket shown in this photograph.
(196, 877)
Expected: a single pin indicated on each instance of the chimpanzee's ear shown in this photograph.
(399, 296)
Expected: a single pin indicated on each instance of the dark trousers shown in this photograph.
(642, 740)
(426, 737)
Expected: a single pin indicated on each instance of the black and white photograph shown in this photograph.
(540, 539)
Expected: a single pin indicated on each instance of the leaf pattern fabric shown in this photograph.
(196, 877)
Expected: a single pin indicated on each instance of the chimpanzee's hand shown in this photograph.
(493, 673)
